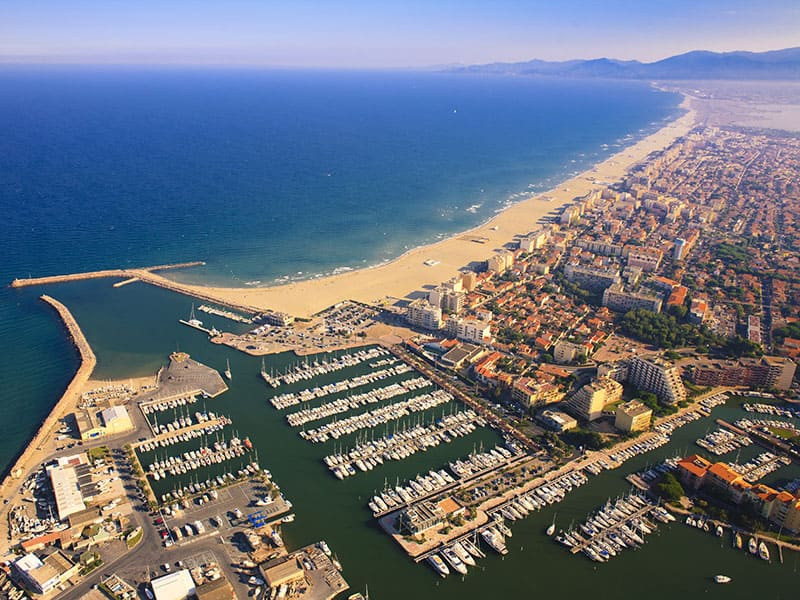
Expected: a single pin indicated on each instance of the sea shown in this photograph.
(273, 176)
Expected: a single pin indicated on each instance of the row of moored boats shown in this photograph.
(345, 385)
(377, 417)
(308, 370)
(620, 524)
(401, 444)
(353, 401)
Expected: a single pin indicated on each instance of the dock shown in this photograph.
(119, 284)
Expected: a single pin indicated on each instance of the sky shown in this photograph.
(384, 34)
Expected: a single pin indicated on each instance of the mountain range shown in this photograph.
(699, 64)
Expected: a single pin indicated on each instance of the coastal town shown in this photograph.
(629, 312)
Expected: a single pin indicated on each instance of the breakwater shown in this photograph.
(35, 451)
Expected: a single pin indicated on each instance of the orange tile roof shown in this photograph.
(695, 464)
(724, 472)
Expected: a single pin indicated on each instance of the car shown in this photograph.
(166, 567)
(159, 521)
(164, 534)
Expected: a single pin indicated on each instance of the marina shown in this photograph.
(618, 525)
(404, 441)
(306, 395)
(305, 370)
(376, 417)
(723, 441)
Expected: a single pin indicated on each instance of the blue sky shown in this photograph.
(410, 33)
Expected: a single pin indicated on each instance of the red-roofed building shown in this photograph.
(692, 471)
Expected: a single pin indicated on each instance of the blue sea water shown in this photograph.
(266, 175)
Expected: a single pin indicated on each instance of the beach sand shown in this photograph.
(408, 274)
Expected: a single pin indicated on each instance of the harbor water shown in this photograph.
(132, 330)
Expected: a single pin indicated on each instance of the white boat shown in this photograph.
(552, 528)
(228, 369)
(752, 546)
(722, 579)
(494, 540)
(454, 561)
(438, 564)
(763, 551)
(324, 547)
(462, 553)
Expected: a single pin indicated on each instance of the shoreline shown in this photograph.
(406, 274)
(65, 404)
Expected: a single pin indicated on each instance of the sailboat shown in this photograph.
(228, 369)
(552, 529)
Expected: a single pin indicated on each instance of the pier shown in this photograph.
(22, 282)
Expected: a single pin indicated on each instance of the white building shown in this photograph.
(421, 313)
(175, 586)
(67, 491)
(470, 330)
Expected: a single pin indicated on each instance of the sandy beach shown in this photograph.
(408, 273)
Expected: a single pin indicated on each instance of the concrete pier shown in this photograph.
(100, 274)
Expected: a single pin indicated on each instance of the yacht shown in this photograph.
(763, 551)
(228, 369)
(494, 540)
(752, 546)
(438, 564)
(462, 553)
(722, 579)
(454, 561)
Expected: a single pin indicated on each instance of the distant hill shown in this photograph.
(698, 64)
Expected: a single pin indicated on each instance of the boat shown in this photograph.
(737, 540)
(454, 561)
(752, 546)
(228, 369)
(722, 579)
(324, 547)
(719, 531)
(248, 444)
(462, 553)
(552, 528)
(763, 551)
(494, 540)
(438, 564)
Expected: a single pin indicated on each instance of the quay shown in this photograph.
(491, 418)
(460, 483)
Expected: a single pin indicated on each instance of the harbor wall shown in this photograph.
(64, 405)
(99, 274)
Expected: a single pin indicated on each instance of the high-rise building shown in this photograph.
(588, 402)
(422, 313)
(657, 376)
